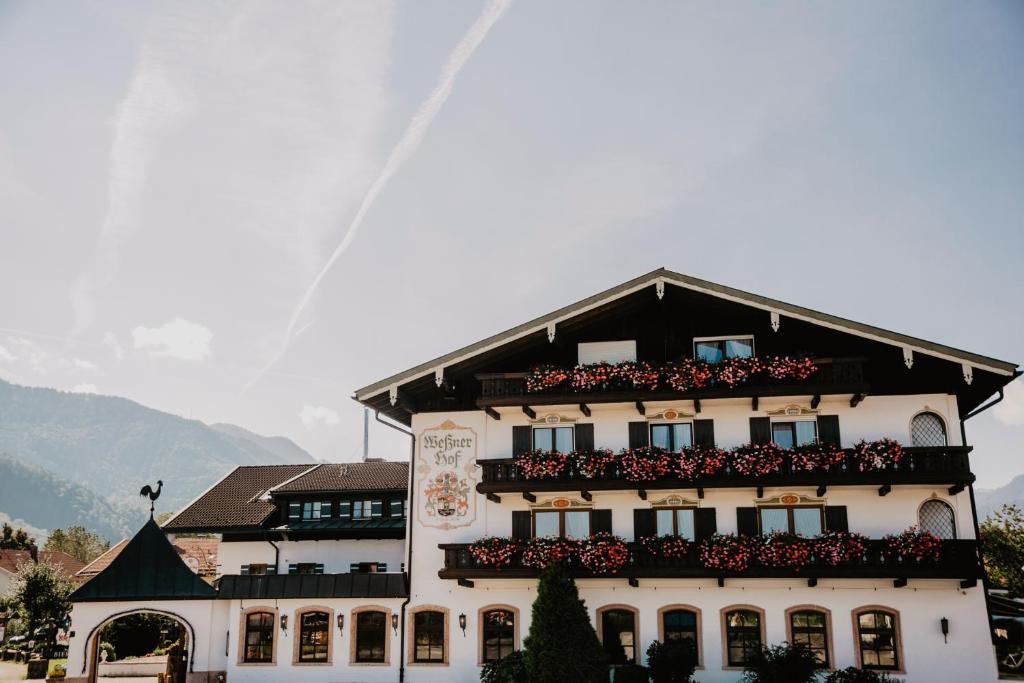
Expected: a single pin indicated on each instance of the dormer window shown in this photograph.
(717, 349)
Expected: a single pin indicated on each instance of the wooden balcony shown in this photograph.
(946, 466)
(959, 561)
(834, 376)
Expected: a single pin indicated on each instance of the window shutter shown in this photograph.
(521, 439)
(704, 432)
(522, 524)
(325, 509)
(294, 510)
(244, 570)
(585, 437)
(272, 569)
(377, 508)
(828, 430)
(293, 569)
(353, 568)
(835, 518)
(345, 508)
(760, 430)
(746, 521)
(382, 566)
(705, 523)
(643, 523)
(318, 569)
(638, 435)
(601, 522)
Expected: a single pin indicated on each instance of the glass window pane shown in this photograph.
(682, 436)
(774, 519)
(710, 351)
(684, 524)
(660, 437)
(664, 520)
(806, 432)
(577, 524)
(782, 434)
(739, 348)
(546, 524)
(542, 439)
(807, 521)
(563, 439)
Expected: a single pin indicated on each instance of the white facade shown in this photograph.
(337, 556)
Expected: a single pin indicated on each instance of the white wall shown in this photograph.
(335, 555)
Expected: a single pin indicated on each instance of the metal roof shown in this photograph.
(347, 524)
(368, 585)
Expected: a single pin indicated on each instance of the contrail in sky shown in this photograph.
(406, 147)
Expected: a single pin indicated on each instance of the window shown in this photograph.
(563, 523)
(618, 634)
(294, 510)
(936, 517)
(927, 429)
(675, 522)
(553, 439)
(498, 628)
(371, 637)
(257, 569)
(795, 433)
(679, 624)
(877, 639)
(806, 520)
(305, 568)
(672, 437)
(365, 509)
(259, 638)
(314, 510)
(314, 637)
(397, 508)
(368, 567)
(809, 627)
(428, 637)
(742, 635)
(717, 349)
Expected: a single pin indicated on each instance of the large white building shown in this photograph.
(511, 441)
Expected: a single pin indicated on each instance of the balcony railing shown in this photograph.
(959, 560)
(945, 465)
(834, 376)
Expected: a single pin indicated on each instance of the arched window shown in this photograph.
(936, 516)
(679, 624)
(877, 639)
(927, 429)
(314, 637)
(259, 638)
(743, 636)
(371, 637)
(429, 637)
(809, 627)
(618, 634)
(498, 632)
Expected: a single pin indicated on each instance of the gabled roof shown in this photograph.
(374, 475)
(10, 559)
(662, 277)
(239, 500)
(147, 568)
(200, 552)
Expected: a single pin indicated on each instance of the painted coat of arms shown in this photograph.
(446, 470)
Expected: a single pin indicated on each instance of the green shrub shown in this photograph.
(632, 673)
(109, 649)
(673, 661)
(509, 669)
(855, 675)
(785, 663)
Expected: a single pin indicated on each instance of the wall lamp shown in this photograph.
(462, 623)
(944, 625)
(341, 623)
(394, 623)
(284, 623)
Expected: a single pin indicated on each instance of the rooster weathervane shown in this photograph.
(147, 490)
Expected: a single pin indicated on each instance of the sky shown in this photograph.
(242, 211)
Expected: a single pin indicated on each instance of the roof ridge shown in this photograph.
(297, 476)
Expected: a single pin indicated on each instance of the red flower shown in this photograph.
(666, 546)
(541, 464)
(603, 553)
(541, 553)
(914, 544)
(726, 552)
(494, 551)
(758, 459)
(877, 455)
(645, 463)
(840, 547)
(781, 549)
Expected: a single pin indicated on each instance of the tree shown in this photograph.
(1002, 537)
(785, 663)
(84, 546)
(673, 661)
(562, 645)
(15, 540)
(40, 594)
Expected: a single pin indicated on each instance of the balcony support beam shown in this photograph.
(885, 490)
(812, 582)
(968, 583)
(760, 492)
(466, 583)
(642, 493)
(640, 408)
(815, 401)
(721, 582)
(492, 412)
(956, 488)
(635, 583)
(587, 496)
(530, 412)
(899, 583)
(822, 489)
(696, 405)
(585, 409)
(700, 492)
(857, 398)
(529, 497)
(753, 403)
(493, 497)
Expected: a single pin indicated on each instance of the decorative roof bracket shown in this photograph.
(551, 333)
(908, 357)
(968, 373)
(775, 318)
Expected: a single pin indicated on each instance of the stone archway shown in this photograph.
(175, 667)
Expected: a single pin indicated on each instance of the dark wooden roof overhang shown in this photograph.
(368, 585)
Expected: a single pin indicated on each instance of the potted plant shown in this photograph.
(726, 552)
(494, 551)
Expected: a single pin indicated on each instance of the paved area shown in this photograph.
(10, 672)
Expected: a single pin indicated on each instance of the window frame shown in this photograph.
(675, 519)
(561, 520)
(900, 668)
(790, 518)
(725, 338)
(723, 618)
(353, 658)
(829, 643)
(411, 655)
(300, 614)
(942, 421)
(481, 614)
(952, 516)
(673, 447)
(552, 427)
(619, 607)
(243, 635)
(792, 420)
(662, 611)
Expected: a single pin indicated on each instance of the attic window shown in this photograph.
(717, 349)
(607, 352)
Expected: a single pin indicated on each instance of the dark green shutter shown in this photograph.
(318, 569)
(835, 518)
(705, 523)
(704, 432)
(244, 570)
(272, 569)
(382, 566)
(522, 524)
(601, 522)
(325, 508)
(644, 523)
(294, 510)
(828, 430)
(585, 437)
(638, 435)
(760, 430)
(522, 440)
(376, 508)
(293, 569)
(345, 508)
(746, 521)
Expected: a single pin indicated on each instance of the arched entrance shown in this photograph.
(156, 646)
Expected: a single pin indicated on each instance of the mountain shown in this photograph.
(990, 500)
(112, 446)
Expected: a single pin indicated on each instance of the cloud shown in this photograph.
(84, 389)
(311, 415)
(6, 356)
(110, 341)
(1010, 411)
(84, 364)
(179, 339)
